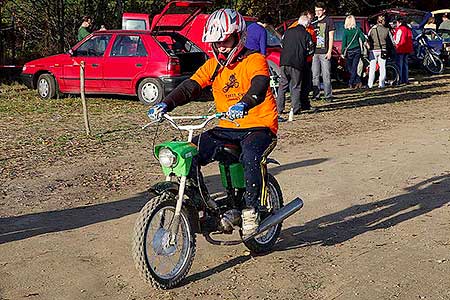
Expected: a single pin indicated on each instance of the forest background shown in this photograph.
(35, 28)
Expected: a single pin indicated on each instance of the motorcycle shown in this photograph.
(164, 240)
(425, 55)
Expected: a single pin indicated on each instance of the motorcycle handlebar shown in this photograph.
(207, 118)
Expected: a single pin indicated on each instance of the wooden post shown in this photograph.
(83, 100)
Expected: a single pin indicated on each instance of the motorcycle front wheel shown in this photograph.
(161, 263)
(264, 242)
(433, 64)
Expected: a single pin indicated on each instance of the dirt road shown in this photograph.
(372, 168)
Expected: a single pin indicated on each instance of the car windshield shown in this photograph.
(95, 46)
(273, 37)
(429, 33)
(133, 24)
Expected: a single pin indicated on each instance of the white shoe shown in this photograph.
(250, 221)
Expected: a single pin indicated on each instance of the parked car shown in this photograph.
(146, 63)
(183, 22)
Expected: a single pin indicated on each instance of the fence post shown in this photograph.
(83, 100)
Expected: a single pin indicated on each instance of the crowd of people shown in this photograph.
(378, 45)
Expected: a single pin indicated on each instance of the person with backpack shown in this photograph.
(240, 83)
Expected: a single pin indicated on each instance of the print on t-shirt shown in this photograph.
(232, 82)
(320, 32)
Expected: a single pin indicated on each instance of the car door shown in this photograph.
(92, 53)
(126, 60)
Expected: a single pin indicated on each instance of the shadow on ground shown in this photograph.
(358, 98)
(344, 225)
(22, 227)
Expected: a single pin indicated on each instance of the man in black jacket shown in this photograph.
(296, 44)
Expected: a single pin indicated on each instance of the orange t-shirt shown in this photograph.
(232, 83)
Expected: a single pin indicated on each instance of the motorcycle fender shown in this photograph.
(272, 161)
(163, 186)
(172, 187)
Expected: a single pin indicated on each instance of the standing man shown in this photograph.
(404, 46)
(257, 35)
(444, 27)
(324, 27)
(296, 46)
(305, 104)
(83, 31)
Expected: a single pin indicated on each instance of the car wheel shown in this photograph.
(150, 91)
(46, 86)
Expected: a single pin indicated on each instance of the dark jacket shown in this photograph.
(297, 44)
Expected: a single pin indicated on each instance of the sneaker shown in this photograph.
(329, 99)
(281, 119)
(250, 222)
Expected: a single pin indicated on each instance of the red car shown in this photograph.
(145, 63)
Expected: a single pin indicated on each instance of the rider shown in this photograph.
(240, 84)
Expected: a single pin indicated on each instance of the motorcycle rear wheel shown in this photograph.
(159, 263)
(265, 241)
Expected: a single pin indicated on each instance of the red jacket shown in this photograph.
(405, 45)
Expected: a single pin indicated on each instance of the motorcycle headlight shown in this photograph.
(167, 158)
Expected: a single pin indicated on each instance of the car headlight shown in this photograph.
(24, 68)
(167, 158)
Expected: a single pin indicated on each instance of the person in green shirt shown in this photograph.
(352, 42)
(83, 31)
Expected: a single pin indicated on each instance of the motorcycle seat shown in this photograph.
(228, 154)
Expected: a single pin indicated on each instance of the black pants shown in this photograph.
(256, 145)
(305, 104)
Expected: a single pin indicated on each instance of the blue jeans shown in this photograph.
(321, 64)
(402, 64)
(353, 56)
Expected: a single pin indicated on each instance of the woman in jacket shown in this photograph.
(351, 49)
(380, 39)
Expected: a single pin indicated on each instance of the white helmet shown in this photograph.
(220, 26)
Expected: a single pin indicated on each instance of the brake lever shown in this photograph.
(225, 118)
(149, 124)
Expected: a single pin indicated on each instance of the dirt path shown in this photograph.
(372, 168)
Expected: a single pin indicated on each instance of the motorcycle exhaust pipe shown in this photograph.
(282, 214)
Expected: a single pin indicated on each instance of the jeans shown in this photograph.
(374, 57)
(353, 57)
(321, 64)
(290, 79)
(402, 64)
(256, 145)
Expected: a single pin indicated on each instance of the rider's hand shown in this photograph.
(157, 111)
(237, 111)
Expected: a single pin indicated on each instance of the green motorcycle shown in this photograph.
(164, 241)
